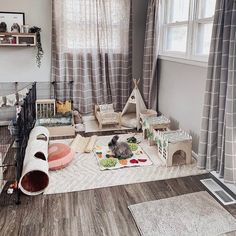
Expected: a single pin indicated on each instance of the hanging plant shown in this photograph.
(40, 51)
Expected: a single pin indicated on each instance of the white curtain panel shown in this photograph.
(92, 47)
(217, 147)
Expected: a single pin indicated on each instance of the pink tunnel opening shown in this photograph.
(35, 181)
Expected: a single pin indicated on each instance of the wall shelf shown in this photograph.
(17, 39)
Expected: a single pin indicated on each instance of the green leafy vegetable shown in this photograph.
(133, 146)
(108, 162)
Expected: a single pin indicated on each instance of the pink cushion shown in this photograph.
(59, 156)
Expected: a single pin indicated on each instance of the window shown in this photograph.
(186, 28)
(94, 24)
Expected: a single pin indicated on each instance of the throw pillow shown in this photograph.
(63, 107)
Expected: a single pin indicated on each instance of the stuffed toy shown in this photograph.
(77, 117)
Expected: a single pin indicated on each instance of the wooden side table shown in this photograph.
(150, 124)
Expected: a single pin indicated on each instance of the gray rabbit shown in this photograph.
(120, 150)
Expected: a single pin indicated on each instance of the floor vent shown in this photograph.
(218, 191)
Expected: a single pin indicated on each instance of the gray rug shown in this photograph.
(189, 214)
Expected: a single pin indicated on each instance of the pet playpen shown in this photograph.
(7, 167)
(19, 129)
(29, 179)
(24, 124)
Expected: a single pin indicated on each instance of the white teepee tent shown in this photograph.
(134, 105)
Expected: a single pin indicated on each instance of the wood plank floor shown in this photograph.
(92, 212)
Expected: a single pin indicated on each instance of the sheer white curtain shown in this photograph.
(91, 42)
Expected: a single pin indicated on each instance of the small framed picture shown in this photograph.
(13, 20)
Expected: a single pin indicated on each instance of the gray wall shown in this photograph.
(19, 64)
(139, 25)
(181, 93)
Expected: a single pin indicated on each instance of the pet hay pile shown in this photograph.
(81, 144)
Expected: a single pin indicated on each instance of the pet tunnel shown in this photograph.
(35, 178)
(39, 133)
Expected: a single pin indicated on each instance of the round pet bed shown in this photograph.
(129, 120)
(59, 156)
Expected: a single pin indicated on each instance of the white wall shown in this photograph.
(181, 94)
(19, 64)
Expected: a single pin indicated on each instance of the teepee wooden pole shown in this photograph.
(136, 82)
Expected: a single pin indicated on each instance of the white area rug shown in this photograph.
(91, 126)
(84, 173)
(192, 214)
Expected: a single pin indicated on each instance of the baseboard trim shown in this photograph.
(4, 123)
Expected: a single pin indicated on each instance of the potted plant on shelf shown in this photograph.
(40, 51)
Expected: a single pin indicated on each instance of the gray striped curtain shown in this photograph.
(150, 55)
(92, 47)
(217, 147)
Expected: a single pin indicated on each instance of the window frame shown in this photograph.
(191, 41)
